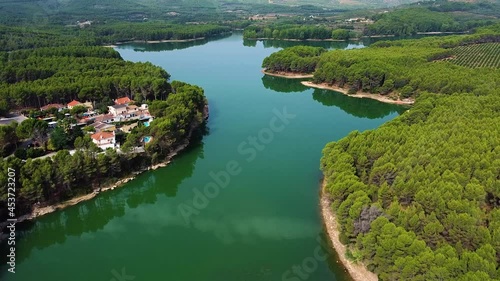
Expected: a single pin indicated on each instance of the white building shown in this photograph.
(117, 109)
(104, 139)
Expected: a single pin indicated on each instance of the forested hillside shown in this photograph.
(34, 78)
(419, 197)
(17, 38)
(412, 20)
(406, 68)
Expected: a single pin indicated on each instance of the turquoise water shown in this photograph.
(146, 124)
(147, 139)
(263, 225)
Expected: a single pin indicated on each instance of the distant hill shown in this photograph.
(12, 11)
(69, 11)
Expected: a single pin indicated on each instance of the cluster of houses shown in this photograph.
(122, 111)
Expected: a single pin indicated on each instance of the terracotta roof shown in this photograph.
(52, 105)
(123, 100)
(103, 135)
(100, 118)
(73, 103)
(99, 126)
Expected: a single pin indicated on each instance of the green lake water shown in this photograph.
(263, 225)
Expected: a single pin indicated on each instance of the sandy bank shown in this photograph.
(181, 40)
(377, 36)
(289, 75)
(303, 40)
(153, 41)
(357, 271)
(359, 94)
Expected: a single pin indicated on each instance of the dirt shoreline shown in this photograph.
(289, 75)
(359, 94)
(328, 39)
(38, 212)
(153, 41)
(305, 40)
(357, 271)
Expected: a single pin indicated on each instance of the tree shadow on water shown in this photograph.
(359, 107)
(93, 215)
(283, 85)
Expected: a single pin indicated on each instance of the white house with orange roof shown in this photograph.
(73, 103)
(104, 139)
(123, 100)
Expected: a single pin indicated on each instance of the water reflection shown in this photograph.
(282, 85)
(169, 46)
(286, 44)
(343, 45)
(364, 107)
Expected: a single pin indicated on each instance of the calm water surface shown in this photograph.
(256, 229)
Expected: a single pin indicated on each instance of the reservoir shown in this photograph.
(240, 205)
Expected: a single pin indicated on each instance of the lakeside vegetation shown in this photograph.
(17, 38)
(155, 31)
(34, 78)
(419, 197)
(43, 74)
(399, 69)
(298, 32)
(298, 59)
(63, 176)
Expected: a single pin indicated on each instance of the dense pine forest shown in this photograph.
(412, 20)
(298, 59)
(419, 197)
(34, 78)
(16, 38)
(402, 68)
(150, 31)
(298, 32)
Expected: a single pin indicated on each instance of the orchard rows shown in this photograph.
(478, 55)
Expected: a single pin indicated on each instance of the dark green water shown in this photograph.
(262, 224)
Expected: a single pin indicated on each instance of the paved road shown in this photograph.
(17, 118)
(54, 153)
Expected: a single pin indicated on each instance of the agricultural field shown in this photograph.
(478, 55)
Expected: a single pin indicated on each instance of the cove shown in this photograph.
(263, 225)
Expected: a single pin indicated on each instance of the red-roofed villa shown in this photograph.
(123, 100)
(73, 103)
(104, 139)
